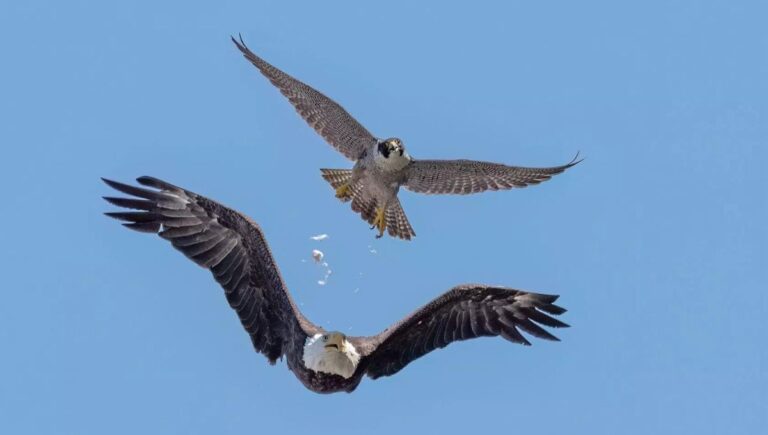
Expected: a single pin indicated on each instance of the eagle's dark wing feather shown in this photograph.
(465, 312)
(463, 177)
(227, 243)
(326, 116)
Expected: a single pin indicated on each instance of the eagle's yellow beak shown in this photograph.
(335, 341)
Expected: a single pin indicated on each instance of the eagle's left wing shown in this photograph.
(461, 177)
(464, 312)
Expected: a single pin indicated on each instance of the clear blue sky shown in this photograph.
(657, 242)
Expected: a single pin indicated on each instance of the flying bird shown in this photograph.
(233, 248)
(382, 166)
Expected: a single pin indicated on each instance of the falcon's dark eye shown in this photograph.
(325, 337)
(384, 149)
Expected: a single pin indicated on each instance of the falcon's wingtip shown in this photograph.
(240, 43)
(575, 160)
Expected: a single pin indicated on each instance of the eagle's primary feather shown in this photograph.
(234, 249)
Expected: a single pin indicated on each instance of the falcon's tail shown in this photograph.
(397, 223)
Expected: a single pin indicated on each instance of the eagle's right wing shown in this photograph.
(464, 312)
(326, 116)
(228, 244)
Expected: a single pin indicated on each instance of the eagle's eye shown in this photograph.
(325, 337)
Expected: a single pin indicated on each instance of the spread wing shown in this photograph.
(326, 116)
(464, 312)
(462, 177)
(228, 244)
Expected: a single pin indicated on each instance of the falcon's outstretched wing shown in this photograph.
(326, 116)
(227, 243)
(462, 177)
(465, 312)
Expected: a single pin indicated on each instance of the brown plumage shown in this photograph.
(233, 248)
(383, 166)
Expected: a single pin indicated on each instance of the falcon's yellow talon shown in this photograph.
(342, 191)
(380, 221)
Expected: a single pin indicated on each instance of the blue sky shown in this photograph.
(656, 242)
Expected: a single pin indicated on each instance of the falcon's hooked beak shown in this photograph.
(396, 146)
(335, 341)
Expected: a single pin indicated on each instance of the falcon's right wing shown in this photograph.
(326, 116)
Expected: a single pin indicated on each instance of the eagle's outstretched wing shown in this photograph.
(462, 177)
(326, 116)
(227, 243)
(464, 312)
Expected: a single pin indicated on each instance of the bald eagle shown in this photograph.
(233, 248)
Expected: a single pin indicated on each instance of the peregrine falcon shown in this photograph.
(382, 166)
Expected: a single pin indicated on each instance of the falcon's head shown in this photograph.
(390, 146)
(391, 155)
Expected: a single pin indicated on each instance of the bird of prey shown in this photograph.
(234, 249)
(382, 166)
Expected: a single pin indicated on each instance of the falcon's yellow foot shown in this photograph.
(343, 192)
(379, 221)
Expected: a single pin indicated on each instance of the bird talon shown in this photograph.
(342, 192)
(380, 221)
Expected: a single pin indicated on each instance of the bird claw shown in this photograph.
(380, 222)
(343, 192)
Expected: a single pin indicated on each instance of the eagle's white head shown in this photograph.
(331, 353)
(391, 154)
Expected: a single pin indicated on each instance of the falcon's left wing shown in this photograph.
(463, 177)
(465, 312)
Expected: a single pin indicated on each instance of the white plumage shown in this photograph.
(341, 360)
